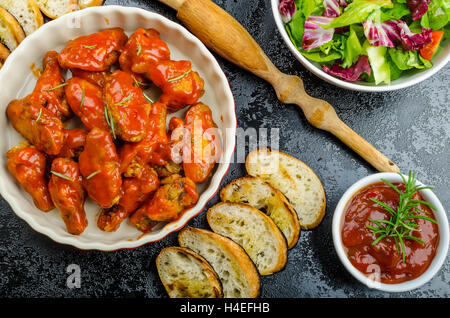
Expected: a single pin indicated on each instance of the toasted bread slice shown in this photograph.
(262, 196)
(186, 274)
(236, 271)
(4, 53)
(89, 3)
(254, 231)
(26, 12)
(56, 8)
(11, 33)
(294, 179)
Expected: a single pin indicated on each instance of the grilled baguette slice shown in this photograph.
(294, 179)
(236, 271)
(186, 274)
(4, 53)
(262, 196)
(26, 12)
(254, 231)
(89, 3)
(56, 8)
(11, 33)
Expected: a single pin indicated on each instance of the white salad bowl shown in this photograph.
(17, 81)
(406, 80)
(440, 216)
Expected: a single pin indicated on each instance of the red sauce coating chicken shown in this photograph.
(68, 194)
(28, 165)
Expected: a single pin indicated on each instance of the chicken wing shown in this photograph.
(175, 195)
(135, 191)
(143, 49)
(37, 124)
(74, 140)
(86, 101)
(127, 107)
(67, 193)
(99, 166)
(49, 91)
(180, 85)
(96, 78)
(95, 52)
(133, 156)
(27, 165)
(196, 143)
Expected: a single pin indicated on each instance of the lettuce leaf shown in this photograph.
(295, 29)
(438, 14)
(398, 11)
(357, 12)
(352, 49)
(406, 60)
(312, 7)
(378, 63)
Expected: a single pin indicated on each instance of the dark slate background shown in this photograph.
(410, 126)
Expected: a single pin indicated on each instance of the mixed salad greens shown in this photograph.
(368, 40)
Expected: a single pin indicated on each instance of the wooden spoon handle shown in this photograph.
(226, 36)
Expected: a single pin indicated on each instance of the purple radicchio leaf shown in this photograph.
(418, 8)
(413, 41)
(351, 74)
(315, 35)
(332, 8)
(394, 32)
(287, 9)
(343, 3)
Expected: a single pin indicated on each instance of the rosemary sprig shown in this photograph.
(179, 77)
(148, 98)
(39, 116)
(126, 99)
(139, 83)
(56, 87)
(61, 175)
(82, 98)
(401, 224)
(139, 49)
(110, 122)
(90, 46)
(92, 174)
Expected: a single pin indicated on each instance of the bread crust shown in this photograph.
(321, 212)
(236, 251)
(280, 239)
(92, 3)
(4, 53)
(31, 5)
(212, 276)
(73, 6)
(10, 21)
(292, 215)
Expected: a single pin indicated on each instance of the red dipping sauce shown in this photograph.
(357, 238)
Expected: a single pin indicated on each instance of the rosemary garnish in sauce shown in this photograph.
(110, 122)
(126, 99)
(401, 224)
(179, 77)
(61, 175)
(92, 174)
(56, 87)
(139, 83)
(90, 46)
(139, 48)
(82, 98)
(39, 116)
(148, 98)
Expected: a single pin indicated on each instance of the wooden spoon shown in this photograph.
(223, 34)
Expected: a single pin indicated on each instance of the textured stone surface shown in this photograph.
(410, 126)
